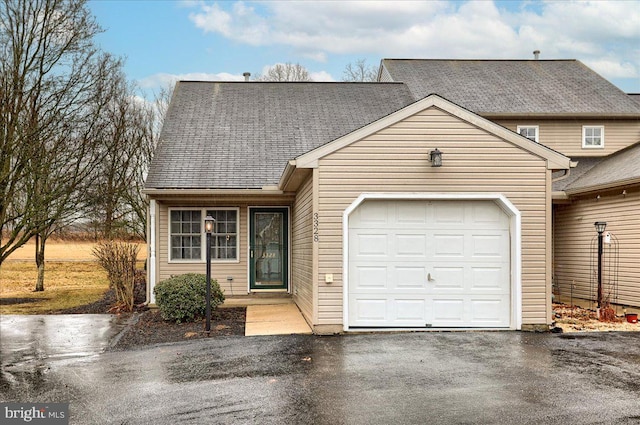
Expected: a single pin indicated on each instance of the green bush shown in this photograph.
(183, 298)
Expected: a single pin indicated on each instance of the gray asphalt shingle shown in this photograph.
(508, 87)
(241, 135)
(621, 166)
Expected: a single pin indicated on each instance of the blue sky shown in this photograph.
(164, 40)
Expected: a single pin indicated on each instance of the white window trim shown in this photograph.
(180, 260)
(203, 236)
(537, 128)
(204, 244)
(584, 130)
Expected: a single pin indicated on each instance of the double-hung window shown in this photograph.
(224, 239)
(529, 131)
(593, 136)
(185, 235)
(187, 238)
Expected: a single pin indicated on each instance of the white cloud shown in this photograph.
(164, 80)
(321, 76)
(603, 33)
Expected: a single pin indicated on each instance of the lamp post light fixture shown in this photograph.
(208, 228)
(435, 157)
(600, 226)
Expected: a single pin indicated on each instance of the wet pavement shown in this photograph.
(409, 378)
(36, 338)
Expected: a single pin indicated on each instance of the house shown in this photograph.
(423, 200)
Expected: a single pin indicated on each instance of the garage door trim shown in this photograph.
(515, 221)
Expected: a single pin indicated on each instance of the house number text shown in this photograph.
(316, 238)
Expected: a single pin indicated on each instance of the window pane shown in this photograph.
(196, 254)
(175, 253)
(175, 216)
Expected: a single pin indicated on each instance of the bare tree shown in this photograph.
(360, 72)
(52, 95)
(117, 205)
(285, 72)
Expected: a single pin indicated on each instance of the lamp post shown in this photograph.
(600, 226)
(208, 228)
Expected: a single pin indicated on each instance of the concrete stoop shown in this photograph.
(275, 319)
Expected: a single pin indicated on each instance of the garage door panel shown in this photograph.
(490, 278)
(488, 215)
(410, 246)
(371, 277)
(368, 245)
(448, 213)
(429, 263)
(494, 245)
(490, 311)
(372, 311)
(448, 246)
(448, 278)
(411, 213)
(409, 277)
(411, 311)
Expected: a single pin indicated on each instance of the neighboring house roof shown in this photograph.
(240, 135)
(635, 97)
(584, 164)
(620, 168)
(513, 87)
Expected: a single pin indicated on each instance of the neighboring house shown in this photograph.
(568, 107)
(327, 191)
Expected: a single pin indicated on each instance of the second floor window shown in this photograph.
(593, 136)
(529, 131)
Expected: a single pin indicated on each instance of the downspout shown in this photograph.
(152, 250)
(567, 172)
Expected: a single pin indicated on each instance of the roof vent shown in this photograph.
(246, 75)
(536, 54)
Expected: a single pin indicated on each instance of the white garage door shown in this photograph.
(429, 264)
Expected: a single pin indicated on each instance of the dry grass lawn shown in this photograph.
(72, 278)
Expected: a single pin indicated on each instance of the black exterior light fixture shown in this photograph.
(208, 228)
(435, 157)
(600, 226)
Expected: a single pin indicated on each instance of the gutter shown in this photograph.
(267, 190)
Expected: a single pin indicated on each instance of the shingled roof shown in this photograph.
(513, 87)
(619, 168)
(239, 135)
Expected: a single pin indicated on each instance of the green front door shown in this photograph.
(269, 248)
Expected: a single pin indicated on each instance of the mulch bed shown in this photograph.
(150, 328)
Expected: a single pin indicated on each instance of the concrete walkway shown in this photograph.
(275, 319)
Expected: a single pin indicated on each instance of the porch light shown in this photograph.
(208, 228)
(600, 226)
(435, 157)
(208, 224)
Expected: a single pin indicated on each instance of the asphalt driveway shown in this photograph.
(410, 378)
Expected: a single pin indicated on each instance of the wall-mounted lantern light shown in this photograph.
(208, 228)
(435, 157)
(600, 226)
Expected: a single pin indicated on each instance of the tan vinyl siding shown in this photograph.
(574, 259)
(219, 270)
(396, 160)
(565, 136)
(302, 249)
